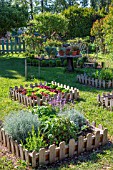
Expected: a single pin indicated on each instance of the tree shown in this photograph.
(97, 32)
(11, 17)
(84, 3)
(49, 24)
(108, 30)
(80, 21)
(99, 4)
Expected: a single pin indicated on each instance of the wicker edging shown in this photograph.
(92, 141)
(72, 95)
(106, 100)
(84, 79)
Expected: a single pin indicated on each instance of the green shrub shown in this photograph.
(65, 63)
(43, 63)
(106, 74)
(58, 63)
(52, 63)
(95, 75)
(34, 141)
(19, 124)
(74, 63)
(58, 129)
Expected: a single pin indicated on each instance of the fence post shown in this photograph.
(26, 68)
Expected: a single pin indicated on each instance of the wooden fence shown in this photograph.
(84, 79)
(15, 95)
(53, 153)
(106, 100)
(12, 46)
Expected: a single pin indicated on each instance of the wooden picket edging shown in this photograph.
(106, 100)
(12, 46)
(84, 79)
(72, 95)
(53, 153)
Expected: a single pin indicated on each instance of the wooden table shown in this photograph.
(70, 58)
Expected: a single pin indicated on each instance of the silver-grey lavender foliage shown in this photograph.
(19, 124)
(76, 117)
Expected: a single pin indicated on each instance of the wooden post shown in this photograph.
(111, 104)
(71, 147)
(17, 149)
(34, 159)
(12, 145)
(4, 137)
(105, 139)
(89, 142)
(26, 68)
(42, 156)
(27, 158)
(62, 150)
(39, 68)
(8, 143)
(80, 144)
(97, 139)
(21, 152)
(52, 153)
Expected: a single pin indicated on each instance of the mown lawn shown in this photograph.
(12, 74)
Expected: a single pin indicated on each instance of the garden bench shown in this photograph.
(90, 65)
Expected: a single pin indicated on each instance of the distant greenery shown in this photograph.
(80, 21)
(11, 17)
(104, 74)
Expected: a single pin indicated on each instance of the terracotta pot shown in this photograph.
(67, 51)
(74, 53)
(61, 53)
(78, 52)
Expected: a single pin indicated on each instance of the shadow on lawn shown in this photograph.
(11, 67)
(90, 156)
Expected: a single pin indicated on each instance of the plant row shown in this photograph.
(99, 79)
(53, 93)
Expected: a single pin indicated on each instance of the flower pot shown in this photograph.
(74, 53)
(67, 51)
(78, 52)
(61, 53)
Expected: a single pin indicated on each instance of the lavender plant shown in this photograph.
(19, 124)
(76, 117)
(58, 102)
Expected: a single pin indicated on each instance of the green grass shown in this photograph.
(12, 74)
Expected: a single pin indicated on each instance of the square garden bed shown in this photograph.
(38, 94)
(98, 83)
(106, 100)
(53, 153)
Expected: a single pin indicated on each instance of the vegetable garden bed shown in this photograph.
(45, 156)
(84, 79)
(37, 94)
(106, 100)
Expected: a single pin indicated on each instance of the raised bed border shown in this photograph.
(73, 94)
(53, 153)
(106, 100)
(84, 79)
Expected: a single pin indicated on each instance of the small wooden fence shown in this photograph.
(53, 153)
(84, 79)
(106, 100)
(72, 95)
(12, 46)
